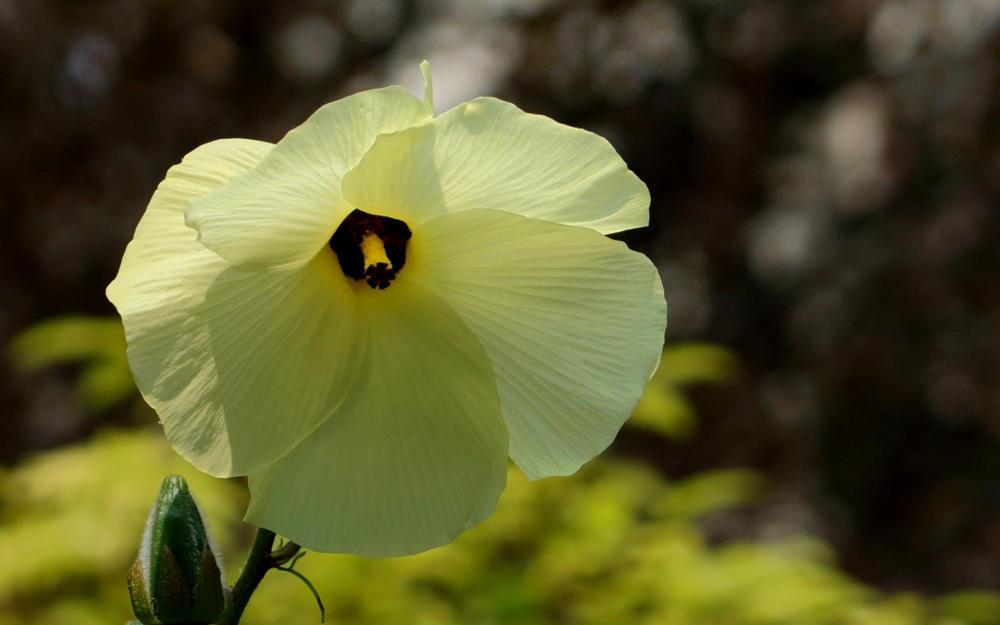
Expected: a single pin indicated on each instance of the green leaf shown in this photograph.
(68, 339)
(663, 408)
(96, 342)
(971, 607)
(693, 363)
(665, 411)
(710, 491)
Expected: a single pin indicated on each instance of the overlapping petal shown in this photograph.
(489, 154)
(240, 365)
(572, 321)
(397, 178)
(281, 212)
(417, 453)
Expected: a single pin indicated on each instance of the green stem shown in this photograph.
(259, 562)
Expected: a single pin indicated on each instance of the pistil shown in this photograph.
(371, 247)
(378, 268)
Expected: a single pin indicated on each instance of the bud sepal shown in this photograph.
(178, 576)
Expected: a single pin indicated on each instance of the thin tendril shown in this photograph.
(291, 569)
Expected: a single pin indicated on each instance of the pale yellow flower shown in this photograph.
(368, 316)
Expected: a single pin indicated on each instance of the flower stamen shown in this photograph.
(378, 267)
(371, 247)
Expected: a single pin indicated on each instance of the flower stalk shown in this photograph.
(259, 562)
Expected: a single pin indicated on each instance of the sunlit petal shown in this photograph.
(490, 154)
(417, 453)
(284, 210)
(397, 177)
(240, 365)
(572, 321)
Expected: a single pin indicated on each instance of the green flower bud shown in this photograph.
(177, 578)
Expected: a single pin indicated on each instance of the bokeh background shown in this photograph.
(822, 442)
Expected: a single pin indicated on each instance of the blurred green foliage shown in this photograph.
(96, 343)
(70, 521)
(615, 543)
(664, 409)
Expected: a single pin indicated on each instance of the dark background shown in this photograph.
(824, 176)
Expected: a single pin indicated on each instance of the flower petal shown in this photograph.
(416, 455)
(240, 365)
(397, 177)
(572, 321)
(284, 210)
(490, 154)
